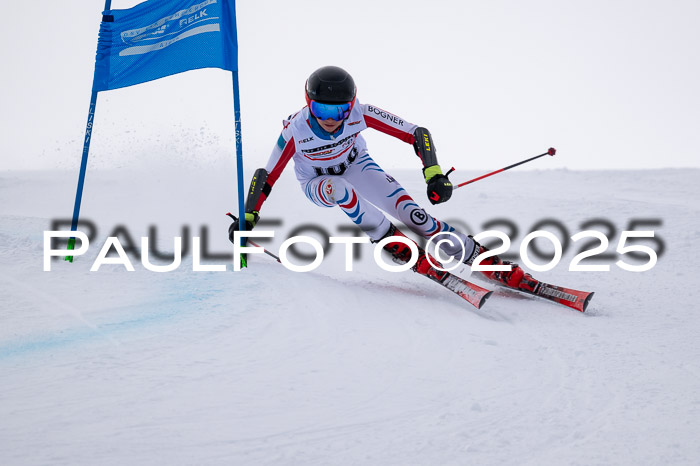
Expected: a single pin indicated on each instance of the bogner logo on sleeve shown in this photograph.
(385, 115)
(337, 169)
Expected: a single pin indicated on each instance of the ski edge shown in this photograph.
(587, 300)
(484, 298)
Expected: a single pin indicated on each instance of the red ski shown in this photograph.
(516, 279)
(427, 266)
(574, 299)
(568, 297)
(473, 294)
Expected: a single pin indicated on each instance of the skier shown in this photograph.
(334, 168)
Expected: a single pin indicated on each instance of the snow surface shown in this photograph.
(268, 366)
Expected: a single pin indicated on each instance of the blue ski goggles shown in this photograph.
(337, 112)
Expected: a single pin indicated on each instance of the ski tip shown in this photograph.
(586, 301)
(484, 298)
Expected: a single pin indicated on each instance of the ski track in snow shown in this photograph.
(267, 366)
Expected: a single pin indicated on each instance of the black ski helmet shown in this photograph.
(330, 85)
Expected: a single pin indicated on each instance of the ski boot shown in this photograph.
(401, 254)
(515, 278)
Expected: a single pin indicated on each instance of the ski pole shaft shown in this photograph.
(550, 151)
(264, 250)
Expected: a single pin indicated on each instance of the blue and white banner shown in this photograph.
(158, 38)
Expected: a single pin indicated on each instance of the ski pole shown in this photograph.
(254, 243)
(550, 151)
(264, 250)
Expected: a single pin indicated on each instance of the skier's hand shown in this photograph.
(439, 186)
(251, 218)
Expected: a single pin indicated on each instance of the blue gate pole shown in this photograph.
(83, 168)
(239, 153)
(83, 161)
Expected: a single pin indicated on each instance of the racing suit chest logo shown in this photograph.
(339, 169)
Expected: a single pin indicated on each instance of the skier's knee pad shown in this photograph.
(335, 190)
(325, 191)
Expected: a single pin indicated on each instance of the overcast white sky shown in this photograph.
(610, 84)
